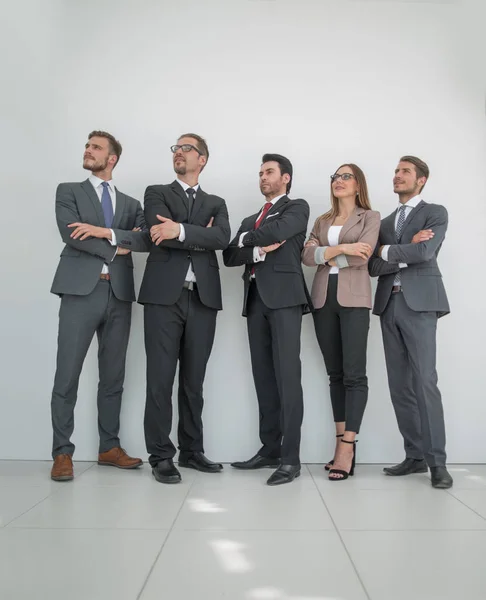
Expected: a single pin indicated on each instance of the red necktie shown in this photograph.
(266, 208)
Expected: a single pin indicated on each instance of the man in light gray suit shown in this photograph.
(100, 227)
(409, 299)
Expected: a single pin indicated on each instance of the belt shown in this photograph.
(105, 276)
(396, 289)
(190, 285)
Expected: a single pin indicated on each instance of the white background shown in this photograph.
(320, 81)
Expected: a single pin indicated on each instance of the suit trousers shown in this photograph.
(342, 334)
(80, 317)
(182, 332)
(274, 337)
(409, 339)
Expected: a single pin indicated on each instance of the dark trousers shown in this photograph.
(182, 332)
(342, 333)
(409, 339)
(274, 336)
(80, 317)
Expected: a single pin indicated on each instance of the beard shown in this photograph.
(95, 167)
(180, 169)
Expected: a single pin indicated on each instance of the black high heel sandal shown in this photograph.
(345, 474)
(328, 465)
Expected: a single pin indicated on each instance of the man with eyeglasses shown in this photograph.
(410, 297)
(269, 244)
(181, 294)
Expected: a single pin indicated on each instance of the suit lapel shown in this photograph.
(177, 188)
(90, 192)
(389, 232)
(120, 203)
(323, 232)
(198, 202)
(413, 214)
(351, 222)
(275, 209)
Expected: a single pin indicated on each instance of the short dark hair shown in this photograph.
(284, 164)
(201, 144)
(115, 146)
(421, 167)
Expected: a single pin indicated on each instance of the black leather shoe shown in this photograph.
(165, 472)
(441, 478)
(198, 461)
(284, 474)
(407, 467)
(256, 462)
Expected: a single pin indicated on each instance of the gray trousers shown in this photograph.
(80, 317)
(409, 339)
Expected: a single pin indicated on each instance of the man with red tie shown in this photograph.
(269, 244)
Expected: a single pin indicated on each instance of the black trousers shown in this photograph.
(274, 337)
(182, 332)
(80, 317)
(342, 333)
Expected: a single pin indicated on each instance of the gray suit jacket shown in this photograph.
(82, 261)
(421, 281)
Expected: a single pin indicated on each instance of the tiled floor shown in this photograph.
(120, 535)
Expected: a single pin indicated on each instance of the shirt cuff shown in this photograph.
(402, 265)
(113, 238)
(384, 252)
(240, 243)
(182, 234)
(257, 257)
(319, 255)
(341, 261)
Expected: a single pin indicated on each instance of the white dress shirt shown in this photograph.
(333, 238)
(96, 182)
(257, 257)
(409, 206)
(190, 275)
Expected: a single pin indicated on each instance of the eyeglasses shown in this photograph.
(185, 148)
(343, 176)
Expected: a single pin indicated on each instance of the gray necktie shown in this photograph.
(398, 230)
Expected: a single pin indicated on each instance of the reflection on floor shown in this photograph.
(121, 535)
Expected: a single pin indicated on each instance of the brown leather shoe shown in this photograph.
(62, 469)
(117, 457)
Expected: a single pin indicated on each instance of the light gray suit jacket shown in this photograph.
(421, 281)
(82, 261)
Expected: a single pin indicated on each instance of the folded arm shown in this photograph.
(423, 251)
(66, 214)
(282, 227)
(136, 241)
(236, 256)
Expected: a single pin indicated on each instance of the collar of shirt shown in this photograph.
(412, 203)
(185, 186)
(275, 200)
(96, 182)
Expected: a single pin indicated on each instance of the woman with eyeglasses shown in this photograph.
(340, 245)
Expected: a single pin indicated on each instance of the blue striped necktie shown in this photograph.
(398, 230)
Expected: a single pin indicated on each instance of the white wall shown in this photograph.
(320, 81)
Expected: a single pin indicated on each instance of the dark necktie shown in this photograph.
(191, 192)
(107, 205)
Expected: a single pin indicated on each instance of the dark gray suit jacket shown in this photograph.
(82, 261)
(279, 277)
(167, 263)
(421, 281)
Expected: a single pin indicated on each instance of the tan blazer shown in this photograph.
(354, 286)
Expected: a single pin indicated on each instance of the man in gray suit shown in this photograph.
(409, 299)
(100, 227)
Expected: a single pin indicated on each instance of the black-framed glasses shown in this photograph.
(343, 176)
(185, 148)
